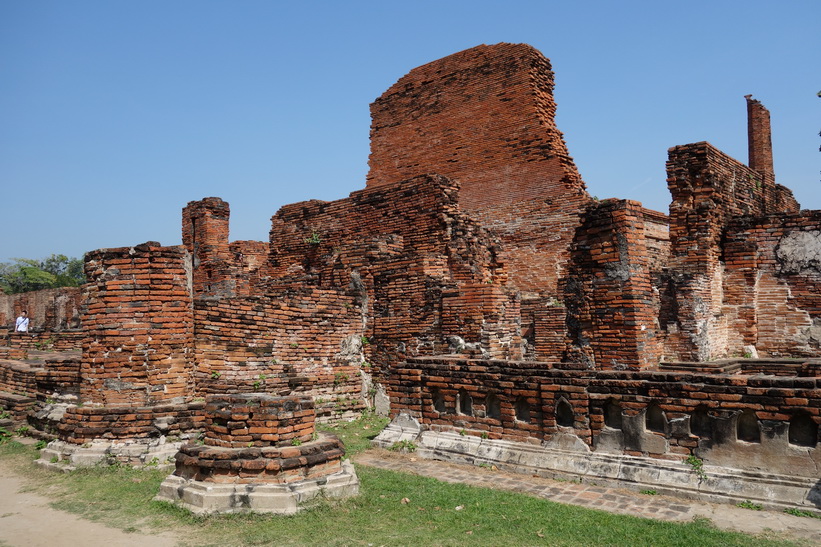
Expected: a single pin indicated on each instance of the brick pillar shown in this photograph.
(759, 137)
(609, 297)
(205, 235)
(138, 326)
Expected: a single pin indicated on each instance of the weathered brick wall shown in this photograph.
(63, 340)
(611, 304)
(257, 420)
(59, 376)
(49, 309)
(17, 377)
(485, 117)
(139, 326)
(520, 401)
(291, 340)
(771, 284)
(416, 267)
(709, 188)
(87, 423)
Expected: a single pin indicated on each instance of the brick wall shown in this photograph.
(612, 305)
(485, 117)
(49, 309)
(139, 326)
(709, 188)
(88, 423)
(292, 340)
(416, 267)
(771, 280)
(521, 401)
(61, 340)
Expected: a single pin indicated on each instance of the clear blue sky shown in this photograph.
(113, 115)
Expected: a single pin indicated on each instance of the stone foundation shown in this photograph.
(566, 457)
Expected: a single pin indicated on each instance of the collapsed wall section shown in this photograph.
(417, 268)
(138, 327)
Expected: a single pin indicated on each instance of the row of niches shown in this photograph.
(707, 424)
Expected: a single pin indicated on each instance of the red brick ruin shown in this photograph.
(472, 287)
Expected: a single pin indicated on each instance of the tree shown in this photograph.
(26, 274)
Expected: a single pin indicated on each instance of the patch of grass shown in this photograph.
(403, 446)
(392, 509)
(801, 513)
(649, 492)
(357, 434)
(747, 504)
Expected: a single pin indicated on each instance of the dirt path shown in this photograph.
(26, 520)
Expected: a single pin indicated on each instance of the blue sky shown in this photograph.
(113, 115)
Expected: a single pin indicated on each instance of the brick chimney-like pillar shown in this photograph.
(759, 137)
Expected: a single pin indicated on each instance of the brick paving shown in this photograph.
(614, 500)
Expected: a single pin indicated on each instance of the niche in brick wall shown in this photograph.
(803, 430)
(748, 428)
(464, 402)
(439, 401)
(522, 409)
(564, 413)
(700, 423)
(654, 419)
(612, 414)
(493, 407)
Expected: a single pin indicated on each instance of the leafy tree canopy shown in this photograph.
(26, 274)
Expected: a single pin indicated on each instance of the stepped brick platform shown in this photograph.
(261, 454)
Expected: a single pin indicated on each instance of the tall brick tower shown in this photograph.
(485, 117)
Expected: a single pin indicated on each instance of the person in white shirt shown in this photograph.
(22, 324)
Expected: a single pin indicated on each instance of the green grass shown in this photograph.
(122, 497)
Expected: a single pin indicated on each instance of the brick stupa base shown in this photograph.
(260, 454)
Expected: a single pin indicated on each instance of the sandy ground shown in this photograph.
(26, 520)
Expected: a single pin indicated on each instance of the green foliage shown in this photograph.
(649, 492)
(403, 446)
(296, 442)
(5, 435)
(801, 513)
(747, 504)
(5, 415)
(26, 274)
(314, 239)
(41, 444)
(697, 464)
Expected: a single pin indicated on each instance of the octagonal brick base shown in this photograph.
(202, 497)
